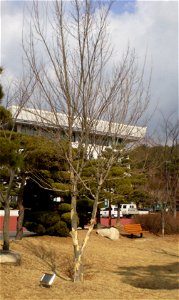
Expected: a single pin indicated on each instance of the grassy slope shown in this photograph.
(125, 269)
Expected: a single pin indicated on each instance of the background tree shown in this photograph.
(72, 77)
(170, 128)
(125, 184)
(10, 160)
(160, 164)
(47, 179)
(1, 88)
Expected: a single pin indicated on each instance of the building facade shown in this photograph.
(102, 133)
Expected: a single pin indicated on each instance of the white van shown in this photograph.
(128, 209)
(104, 212)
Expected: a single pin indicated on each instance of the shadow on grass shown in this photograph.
(130, 236)
(154, 277)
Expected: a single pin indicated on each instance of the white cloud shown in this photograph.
(151, 26)
(11, 38)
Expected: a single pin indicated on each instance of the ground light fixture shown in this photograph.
(47, 279)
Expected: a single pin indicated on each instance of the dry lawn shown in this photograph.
(138, 268)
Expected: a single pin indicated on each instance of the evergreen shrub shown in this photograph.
(66, 217)
(44, 222)
(35, 227)
(64, 207)
(59, 229)
(49, 218)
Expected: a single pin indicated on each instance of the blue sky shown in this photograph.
(120, 7)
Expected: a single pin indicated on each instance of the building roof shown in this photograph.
(49, 119)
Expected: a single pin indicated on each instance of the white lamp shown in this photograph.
(47, 279)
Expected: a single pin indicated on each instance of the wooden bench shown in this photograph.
(133, 229)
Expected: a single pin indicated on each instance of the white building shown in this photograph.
(40, 122)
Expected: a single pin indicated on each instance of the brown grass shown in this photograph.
(138, 268)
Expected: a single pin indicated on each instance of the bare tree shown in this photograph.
(1, 88)
(170, 127)
(68, 50)
(11, 157)
(164, 165)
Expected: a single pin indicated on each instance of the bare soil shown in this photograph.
(138, 268)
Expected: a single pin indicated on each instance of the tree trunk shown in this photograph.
(20, 219)
(109, 220)
(118, 214)
(7, 213)
(78, 274)
(78, 267)
(174, 207)
(163, 222)
(79, 251)
(6, 226)
(98, 219)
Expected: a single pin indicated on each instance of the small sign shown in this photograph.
(47, 279)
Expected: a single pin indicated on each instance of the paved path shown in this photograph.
(12, 234)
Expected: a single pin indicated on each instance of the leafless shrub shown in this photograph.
(152, 223)
(68, 267)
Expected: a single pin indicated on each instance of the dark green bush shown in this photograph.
(153, 223)
(84, 209)
(35, 227)
(45, 218)
(32, 216)
(43, 222)
(64, 207)
(13, 205)
(49, 218)
(66, 217)
(59, 229)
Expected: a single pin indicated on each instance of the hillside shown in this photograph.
(139, 268)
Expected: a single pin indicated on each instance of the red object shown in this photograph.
(12, 223)
(123, 221)
(104, 222)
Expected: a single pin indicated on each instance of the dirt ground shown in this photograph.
(139, 268)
